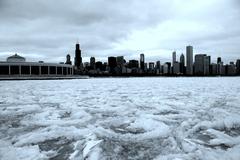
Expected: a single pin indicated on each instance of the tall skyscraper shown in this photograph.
(78, 57)
(173, 57)
(142, 61)
(207, 62)
(189, 52)
(112, 63)
(182, 63)
(219, 60)
(238, 66)
(199, 64)
(92, 62)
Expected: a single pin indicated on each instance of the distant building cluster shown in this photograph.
(187, 65)
(198, 65)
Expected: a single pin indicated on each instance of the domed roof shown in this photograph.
(15, 58)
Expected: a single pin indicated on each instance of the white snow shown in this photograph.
(121, 118)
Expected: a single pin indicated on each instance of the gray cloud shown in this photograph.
(49, 29)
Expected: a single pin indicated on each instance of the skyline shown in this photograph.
(104, 28)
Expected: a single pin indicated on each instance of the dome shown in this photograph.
(15, 58)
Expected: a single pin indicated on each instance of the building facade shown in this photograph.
(189, 67)
(17, 66)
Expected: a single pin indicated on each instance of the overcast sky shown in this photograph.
(48, 29)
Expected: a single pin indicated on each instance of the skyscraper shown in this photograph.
(78, 57)
(238, 66)
(207, 62)
(112, 63)
(92, 62)
(142, 61)
(182, 63)
(173, 57)
(68, 59)
(189, 52)
(199, 64)
(219, 60)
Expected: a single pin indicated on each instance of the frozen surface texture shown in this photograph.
(121, 118)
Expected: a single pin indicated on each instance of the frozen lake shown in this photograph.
(121, 118)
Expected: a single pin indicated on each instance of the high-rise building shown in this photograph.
(207, 62)
(231, 69)
(174, 57)
(182, 63)
(176, 68)
(112, 63)
(92, 62)
(78, 57)
(199, 64)
(99, 65)
(213, 69)
(158, 65)
(133, 64)
(189, 67)
(142, 61)
(120, 61)
(151, 65)
(219, 60)
(238, 66)
(68, 59)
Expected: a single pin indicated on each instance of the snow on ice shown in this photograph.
(121, 118)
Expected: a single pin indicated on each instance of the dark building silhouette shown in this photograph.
(219, 60)
(238, 66)
(189, 67)
(182, 64)
(92, 62)
(207, 62)
(174, 57)
(68, 59)
(142, 62)
(133, 64)
(99, 65)
(78, 57)
(199, 64)
(112, 63)
(120, 61)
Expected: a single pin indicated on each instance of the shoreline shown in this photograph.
(10, 78)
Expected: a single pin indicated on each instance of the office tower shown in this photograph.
(182, 63)
(207, 62)
(92, 62)
(158, 65)
(173, 57)
(199, 64)
(142, 62)
(238, 66)
(133, 64)
(68, 60)
(219, 60)
(120, 61)
(165, 69)
(231, 69)
(176, 68)
(99, 65)
(213, 69)
(112, 63)
(78, 57)
(151, 65)
(189, 67)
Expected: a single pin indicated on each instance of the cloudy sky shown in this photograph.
(48, 29)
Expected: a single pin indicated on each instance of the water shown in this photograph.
(121, 118)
